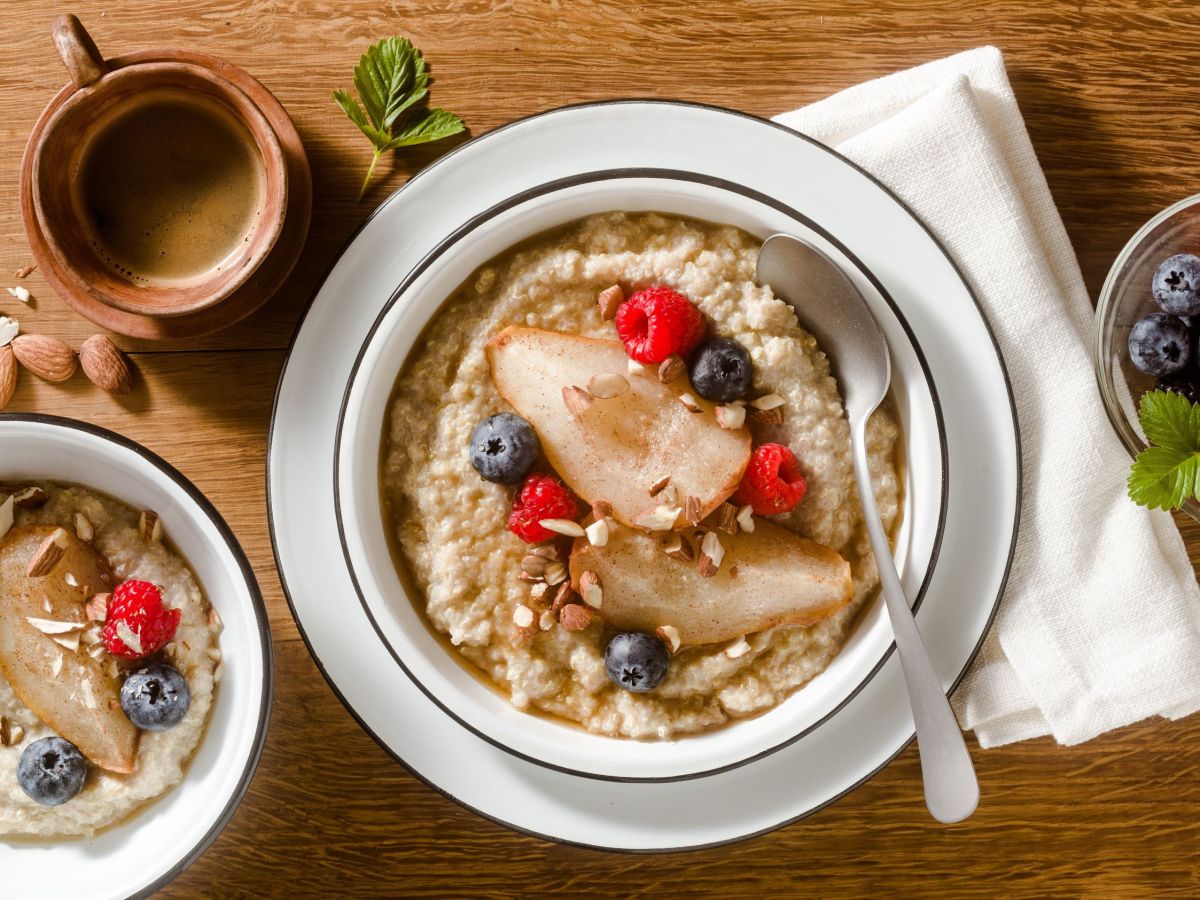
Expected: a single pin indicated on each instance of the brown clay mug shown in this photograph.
(100, 99)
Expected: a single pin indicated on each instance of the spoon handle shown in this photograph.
(951, 788)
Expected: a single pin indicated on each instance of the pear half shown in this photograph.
(781, 579)
(67, 689)
(616, 449)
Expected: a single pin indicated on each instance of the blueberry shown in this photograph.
(51, 771)
(1185, 382)
(504, 448)
(636, 662)
(156, 697)
(1159, 344)
(721, 370)
(1176, 285)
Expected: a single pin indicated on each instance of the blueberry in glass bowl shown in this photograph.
(1155, 277)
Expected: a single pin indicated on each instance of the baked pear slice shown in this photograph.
(66, 688)
(781, 579)
(617, 449)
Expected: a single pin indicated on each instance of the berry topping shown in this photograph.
(721, 370)
(504, 448)
(51, 771)
(138, 624)
(656, 322)
(772, 482)
(541, 497)
(155, 698)
(1185, 382)
(636, 662)
(1176, 285)
(1159, 344)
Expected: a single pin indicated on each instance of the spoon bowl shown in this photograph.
(834, 311)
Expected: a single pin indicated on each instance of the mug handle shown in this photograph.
(77, 50)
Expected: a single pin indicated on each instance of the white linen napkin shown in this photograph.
(1100, 624)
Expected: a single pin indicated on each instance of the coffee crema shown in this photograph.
(169, 188)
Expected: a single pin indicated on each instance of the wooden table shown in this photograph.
(1112, 100)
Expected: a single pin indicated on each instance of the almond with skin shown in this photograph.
(105, 365)
(46, 357)
(8, 375)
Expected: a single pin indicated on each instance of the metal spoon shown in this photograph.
(836, 314)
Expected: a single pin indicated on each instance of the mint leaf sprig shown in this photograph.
(391, 79)
(1167, 473)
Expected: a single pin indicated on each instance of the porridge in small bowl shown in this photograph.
(109, 660)
(619, 473)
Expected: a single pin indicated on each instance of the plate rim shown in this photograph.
(354, 235)
(266, 642)
(545, 189)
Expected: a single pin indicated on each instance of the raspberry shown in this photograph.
(656, 322)
(540, 497)
(772, 482)
(138, 606)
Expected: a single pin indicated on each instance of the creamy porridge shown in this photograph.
(132, 550)
(449, 524)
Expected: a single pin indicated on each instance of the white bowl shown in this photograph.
(160, 840)
(398, 617)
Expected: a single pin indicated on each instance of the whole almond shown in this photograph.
(46, 357)
(8, 375)
(105, 365)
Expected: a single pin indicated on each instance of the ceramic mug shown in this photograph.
(100, 96)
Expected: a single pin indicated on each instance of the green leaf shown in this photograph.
(1167, 474)
(1170, 420)
(434, 125)
(391, 79)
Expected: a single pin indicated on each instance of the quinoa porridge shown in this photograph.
(133, 551)
(449, 525)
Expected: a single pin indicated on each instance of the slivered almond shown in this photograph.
(727, 518)
(607, 385)
(32, 497)
(83, 528)
(562, 526)
(575, 617)
(9, 329)
(760, 417)
(669, 635)
(660, 518)
(679, 548)
(597, 533)
(52, 626)
(589, 589)
(767, 401)
(150, 525)
(731, 416)
(669, 495)
(71, 580)
(633, 367)
(655, 489)
(671, 368)
(67, 641)
(48, 554)
(577, 400)
(745, 518)
(690, 403)
(692, 509)
(522, 616)
(6, 516)
(608, 300)
(737, 648)
(564, 597)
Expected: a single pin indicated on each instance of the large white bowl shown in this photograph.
(143, 853)
(396, 614)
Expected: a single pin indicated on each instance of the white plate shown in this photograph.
(144, 852)
(983, 465)
(398, 617)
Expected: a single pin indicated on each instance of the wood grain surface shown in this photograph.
(1111, 94)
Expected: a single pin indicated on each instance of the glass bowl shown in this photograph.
(1124, 299)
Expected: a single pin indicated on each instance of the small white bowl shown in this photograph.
(159, 841)
(398, 617)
